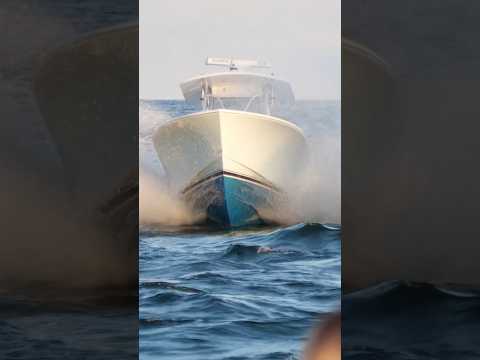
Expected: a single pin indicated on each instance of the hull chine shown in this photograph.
(230, 201)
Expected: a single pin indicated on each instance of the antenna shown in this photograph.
(234, 64)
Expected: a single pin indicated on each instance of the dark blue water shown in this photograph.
(251, 294)
(402, 320)
(68, 324)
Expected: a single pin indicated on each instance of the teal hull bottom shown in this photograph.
(231, 201)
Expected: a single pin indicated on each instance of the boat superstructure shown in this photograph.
(231, 161)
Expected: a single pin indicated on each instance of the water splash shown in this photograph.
(318, 197)
(157, 203)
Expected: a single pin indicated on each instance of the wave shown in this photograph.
(206, 275)
(402, 319)
(306, 229)
(297, 240)
(240, 250)
(297, 231)
(305, 237)
(155, 323)
(400, 290)
(168, 285)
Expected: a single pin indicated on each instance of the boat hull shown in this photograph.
(231, 201)
(232, 167)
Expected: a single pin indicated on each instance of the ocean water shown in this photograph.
(402, 320)
(46, 323)
(243, 294)
(251, 294)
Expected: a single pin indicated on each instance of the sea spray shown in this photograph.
(149, 120)
(158, 204)
(314, 196)
(318, 199)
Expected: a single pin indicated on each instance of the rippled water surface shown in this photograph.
(402, 320)
(250, 294)
(45, 324)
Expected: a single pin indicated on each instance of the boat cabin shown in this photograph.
(238, 88)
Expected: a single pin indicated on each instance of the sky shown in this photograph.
(300, 38)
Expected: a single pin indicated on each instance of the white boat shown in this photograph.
(232, 160)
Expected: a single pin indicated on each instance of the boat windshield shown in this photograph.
(258, 104)
(244, 92)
